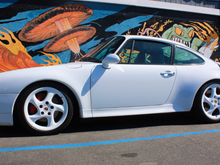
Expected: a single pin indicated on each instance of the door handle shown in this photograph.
(168, 73)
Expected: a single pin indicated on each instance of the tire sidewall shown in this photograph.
(21, 109)
(198, 109)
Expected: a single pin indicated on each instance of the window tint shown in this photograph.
(125, 52)
(145, 52)
(104, 49)
(183, 57)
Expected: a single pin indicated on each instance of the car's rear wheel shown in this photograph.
(207, 105)
(45, 108)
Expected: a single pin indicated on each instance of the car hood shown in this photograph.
(14, 81)
(75, 65)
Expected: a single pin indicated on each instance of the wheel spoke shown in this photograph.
(35, 117)
(46, 109)
(213, 93)
(207, 100)
(49, 96)
(210, 102)
(50, 120)
(211, 110)
(59, 108)
(35, 101)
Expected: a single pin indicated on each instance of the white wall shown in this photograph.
(162, 5)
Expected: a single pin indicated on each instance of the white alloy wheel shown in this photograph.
(210, 101)
(45, 108)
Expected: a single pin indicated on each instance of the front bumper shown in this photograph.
(7, 102)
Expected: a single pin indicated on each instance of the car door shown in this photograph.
(142, 78)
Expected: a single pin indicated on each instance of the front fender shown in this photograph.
(76, 79)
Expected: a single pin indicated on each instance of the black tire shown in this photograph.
(45, 108)
(207, 103)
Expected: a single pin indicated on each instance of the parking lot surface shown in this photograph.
(144, 140)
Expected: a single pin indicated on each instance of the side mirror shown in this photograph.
(110, 59)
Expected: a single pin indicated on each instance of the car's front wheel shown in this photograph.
(207, 105)
(45, 108)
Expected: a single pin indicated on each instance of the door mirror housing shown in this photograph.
(110, 59)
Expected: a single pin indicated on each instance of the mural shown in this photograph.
(46, 33)
(199, 36)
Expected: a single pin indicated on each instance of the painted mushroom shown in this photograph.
(54, 21)
(70, 39)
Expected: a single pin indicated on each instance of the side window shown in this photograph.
(145, 52)
(125, 52)
(110, 47)
(184, 57)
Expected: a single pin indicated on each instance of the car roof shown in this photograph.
(166, 41)
(154, 39)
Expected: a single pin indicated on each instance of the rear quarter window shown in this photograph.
(184, 57)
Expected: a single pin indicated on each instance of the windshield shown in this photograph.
(103, 49)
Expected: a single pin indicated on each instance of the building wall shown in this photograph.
(43, 33)
(203, 3)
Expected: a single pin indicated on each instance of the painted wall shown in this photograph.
(43, 33)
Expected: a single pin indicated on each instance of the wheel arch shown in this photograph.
(74, 98)
(196, 95)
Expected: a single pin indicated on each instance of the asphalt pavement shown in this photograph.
(163, 139)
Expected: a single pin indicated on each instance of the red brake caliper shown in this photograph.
(32, 109)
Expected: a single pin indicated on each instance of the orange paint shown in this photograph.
(12, 60)
(53, 59)
(9, 61)
(4, 64)
(14, 55)
(63, 24)
(76, 36)
(14, 45)
(29, 62)
(45, 26)
(19, 60)
(73, 45)
(6, 61)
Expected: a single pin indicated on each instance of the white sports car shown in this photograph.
(126, 75)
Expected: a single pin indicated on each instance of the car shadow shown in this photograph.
(112, 123)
